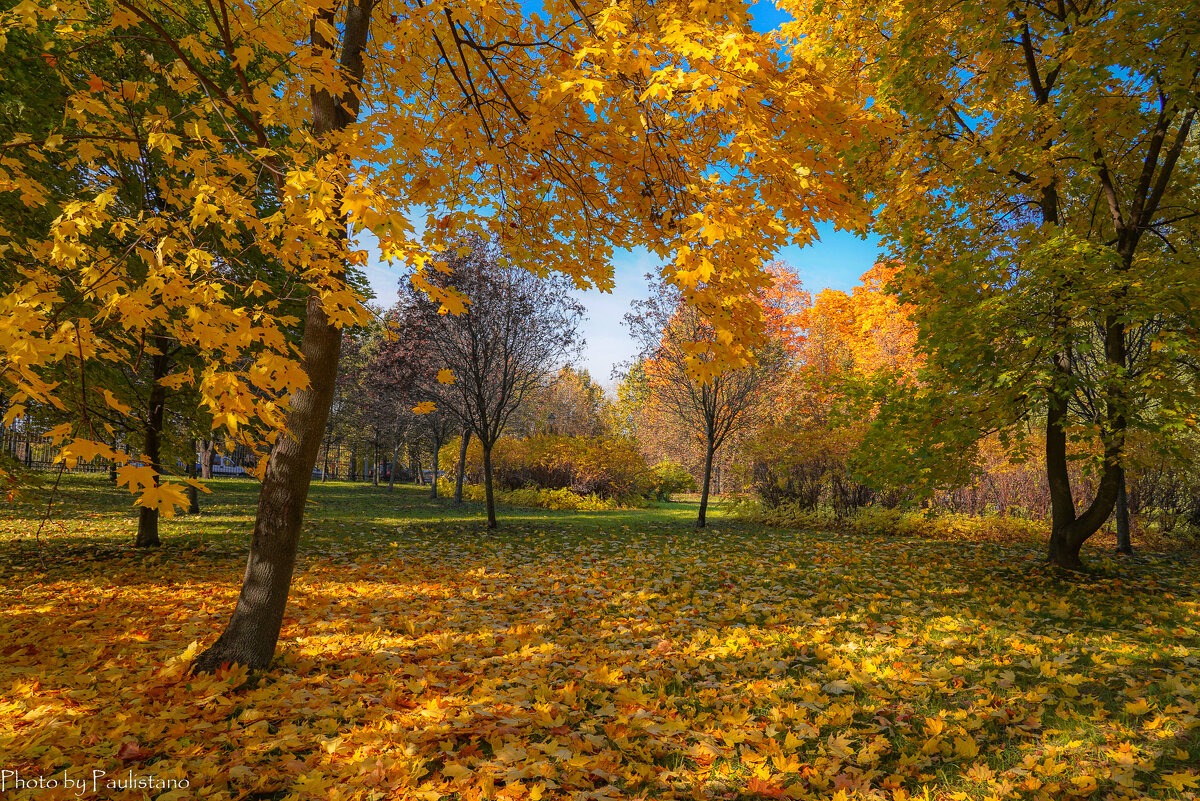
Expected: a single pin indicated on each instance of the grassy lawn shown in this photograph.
(587, 655)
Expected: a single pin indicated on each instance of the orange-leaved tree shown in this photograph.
(851, 346)
(715, 407)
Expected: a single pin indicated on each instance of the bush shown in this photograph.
(820, 480)
(559, 499)
(671, 477)
(607, 467)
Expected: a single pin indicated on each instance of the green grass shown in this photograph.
(88, 506)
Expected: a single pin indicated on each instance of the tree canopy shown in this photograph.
(1041, 193)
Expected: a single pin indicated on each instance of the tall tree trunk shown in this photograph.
(375, 463)
(253, 631)
(147, 533)
(395, 459)
(489, 499)
(1058, 477)
(1124, 541)
(325, 461)
(462, 466)
(353, 463)
(193, 492)
(1069, 531)
(208, 452)
(437, 450)
(708, 466)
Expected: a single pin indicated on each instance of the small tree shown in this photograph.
(516, 329)
(672, 336)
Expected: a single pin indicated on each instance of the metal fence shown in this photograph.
(37, 452)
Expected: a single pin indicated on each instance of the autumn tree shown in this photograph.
(568, 403)
(711, 407)
(404, 370)
(847, 348)
(1039, 192)
(516, 329)
(566, 133)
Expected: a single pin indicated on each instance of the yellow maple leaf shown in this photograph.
(1139, 706)
(164, 498)
(445, 376)
(1179, 781)
(113, 403)
(135, 476)
(424, 407)
(88, 450)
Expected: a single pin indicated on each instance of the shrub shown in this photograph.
(671, 477)
(607, 467)
(559, 499)
(877, 520)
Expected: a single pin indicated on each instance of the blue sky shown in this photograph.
(834, 262)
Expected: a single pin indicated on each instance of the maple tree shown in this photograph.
(565, 132)
(845, 347)
(1040, 193)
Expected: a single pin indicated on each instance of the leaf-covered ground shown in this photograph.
(611, 655)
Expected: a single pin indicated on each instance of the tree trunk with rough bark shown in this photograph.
(253, 631)
(488, 497)
(208, 452)
(462, 466)
(1068, 530)
(147, 533)
(708, 464)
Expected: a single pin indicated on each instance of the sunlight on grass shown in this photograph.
(425, 657)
